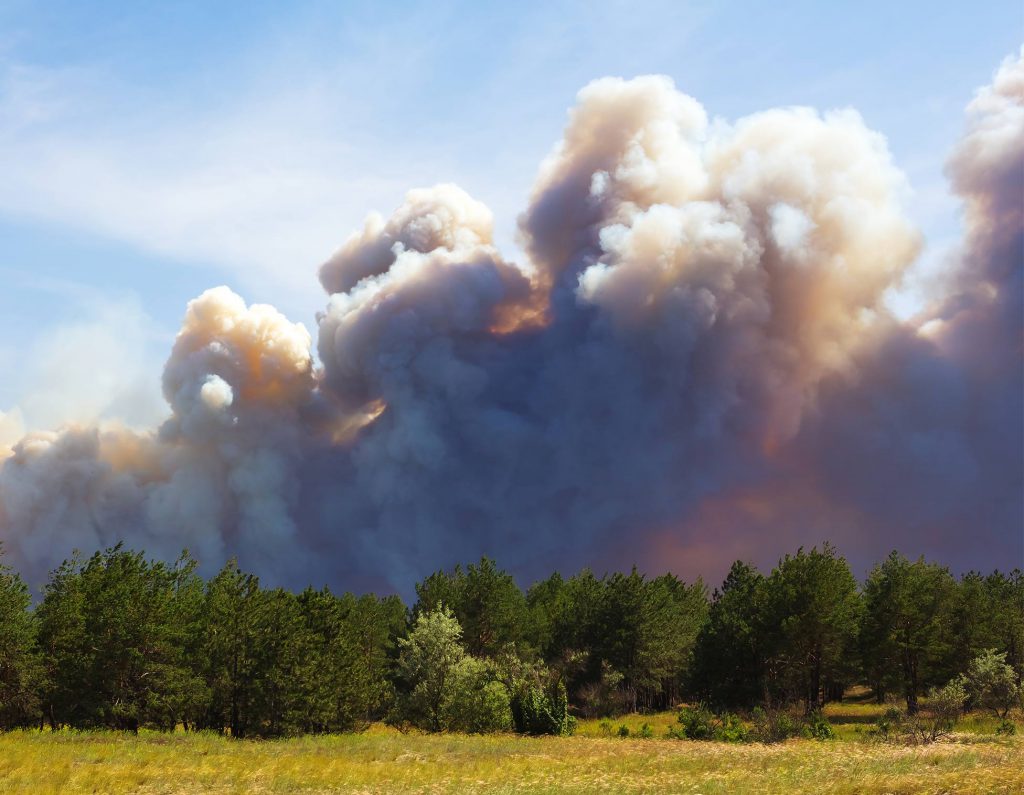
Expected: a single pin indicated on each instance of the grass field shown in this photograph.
(384, 761)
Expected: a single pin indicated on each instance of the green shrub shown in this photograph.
(992, 684)
(478, 704)
(774, 725)
(817, 727)
(646, 732)
(934, 719)
(939, 714)
(695, 723)
(537, 710)
(623, 730)
(1006, 728)
(731, 729)
(890, 724)
(700, 723)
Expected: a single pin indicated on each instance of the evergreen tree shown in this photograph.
(489, 606)
(232, 651)
(647, 629)
(564, 615)
(355, 646)
(810, 626)
(122, 642)
(116, 633)
(286, 667)
(729, 660)
(905, 640)
(20, 669)
(1005, 610)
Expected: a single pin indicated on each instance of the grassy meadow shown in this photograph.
(382, 760)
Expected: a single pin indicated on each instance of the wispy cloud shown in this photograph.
(98, 364)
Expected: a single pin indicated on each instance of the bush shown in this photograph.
(538, 710)
(695, 723)
(934, 720)
(992, 684)
(646, 732)
(774, 725)
(623, 730)
(700, 723)
(938, 716)
(817, 727)
(478, 703)
(890, 724)
(1006, 728)
(731, 729)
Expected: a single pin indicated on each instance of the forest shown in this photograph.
(123, 642)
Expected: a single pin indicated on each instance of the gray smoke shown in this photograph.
(695, 363)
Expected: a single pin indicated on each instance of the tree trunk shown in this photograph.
(912, 689)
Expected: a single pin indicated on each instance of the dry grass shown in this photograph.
(383, 761)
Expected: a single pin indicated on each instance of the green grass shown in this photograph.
(383, 760)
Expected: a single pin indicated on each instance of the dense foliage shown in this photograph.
(122, 642)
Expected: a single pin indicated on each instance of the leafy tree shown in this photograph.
(20, 668)
(427, 663)
(992, 684)
(478, 703)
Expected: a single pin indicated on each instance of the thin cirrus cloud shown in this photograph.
(258, 190)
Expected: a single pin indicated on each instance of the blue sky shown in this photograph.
(150, 151)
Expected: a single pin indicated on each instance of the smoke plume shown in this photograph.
(694, 363)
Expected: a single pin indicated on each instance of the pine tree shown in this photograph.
(813, 613)
(489, 606)
(116, 633)
(729, 658)
(905, 641)
(20, 668)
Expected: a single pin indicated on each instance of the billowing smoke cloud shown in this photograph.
(695, 363)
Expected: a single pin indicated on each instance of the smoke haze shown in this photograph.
(695, 363)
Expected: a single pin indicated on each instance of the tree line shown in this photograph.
(120, 641)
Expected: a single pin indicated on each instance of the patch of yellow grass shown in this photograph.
(72, 762)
